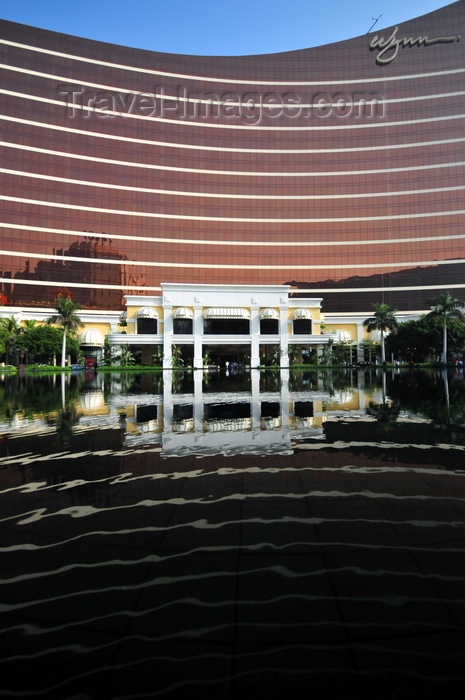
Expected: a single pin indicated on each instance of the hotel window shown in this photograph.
(183, 320)
(269, 322)
(147, 321)
(301, 322)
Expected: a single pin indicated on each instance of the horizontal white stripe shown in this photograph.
(217, 149)
(421, 288)
(68, 82)
(217, 266)
(72, 82)
(221, 242)
(221, 81)
(245, 127)
(219, 195)
(191, 122)
(185, 217)
(78, 285)
(251, 173)
(320, 290)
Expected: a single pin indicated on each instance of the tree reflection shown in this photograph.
(65, 421)
(386, 413)
(42, 402)
(31, 396)
(436, 395)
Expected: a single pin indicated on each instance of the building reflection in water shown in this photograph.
(197, 412)
(231, 422)
(321, 544)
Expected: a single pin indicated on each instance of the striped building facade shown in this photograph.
(338, 170)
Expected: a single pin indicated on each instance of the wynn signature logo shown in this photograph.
(389, 48)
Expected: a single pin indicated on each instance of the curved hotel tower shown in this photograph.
(337, 169)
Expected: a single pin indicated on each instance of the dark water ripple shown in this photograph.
(330, 557)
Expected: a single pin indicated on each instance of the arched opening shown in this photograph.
(301, 322)
(91, 343)
(147, 321)
(269, 322)
(183, 321)
(226, 321)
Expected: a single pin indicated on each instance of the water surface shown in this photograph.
(246, 535)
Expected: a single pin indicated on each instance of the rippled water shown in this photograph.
(235, 536)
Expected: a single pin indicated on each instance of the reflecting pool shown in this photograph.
(238, 536)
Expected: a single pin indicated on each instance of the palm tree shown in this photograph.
(446, 306)
(383, 320)
(67, 318)
(368, 347)
(29, 325)
(126, 358)
(176, 355)
(13, 329)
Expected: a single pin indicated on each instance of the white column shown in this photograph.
(359, 340)
(256, 408)
(167, 402)
(198, 402)
(198, 336)
(285, 399)
(254, 333)
(283, 335)
(167, 334)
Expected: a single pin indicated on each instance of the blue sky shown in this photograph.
(215, 27)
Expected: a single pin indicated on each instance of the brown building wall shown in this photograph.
(115, 177)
